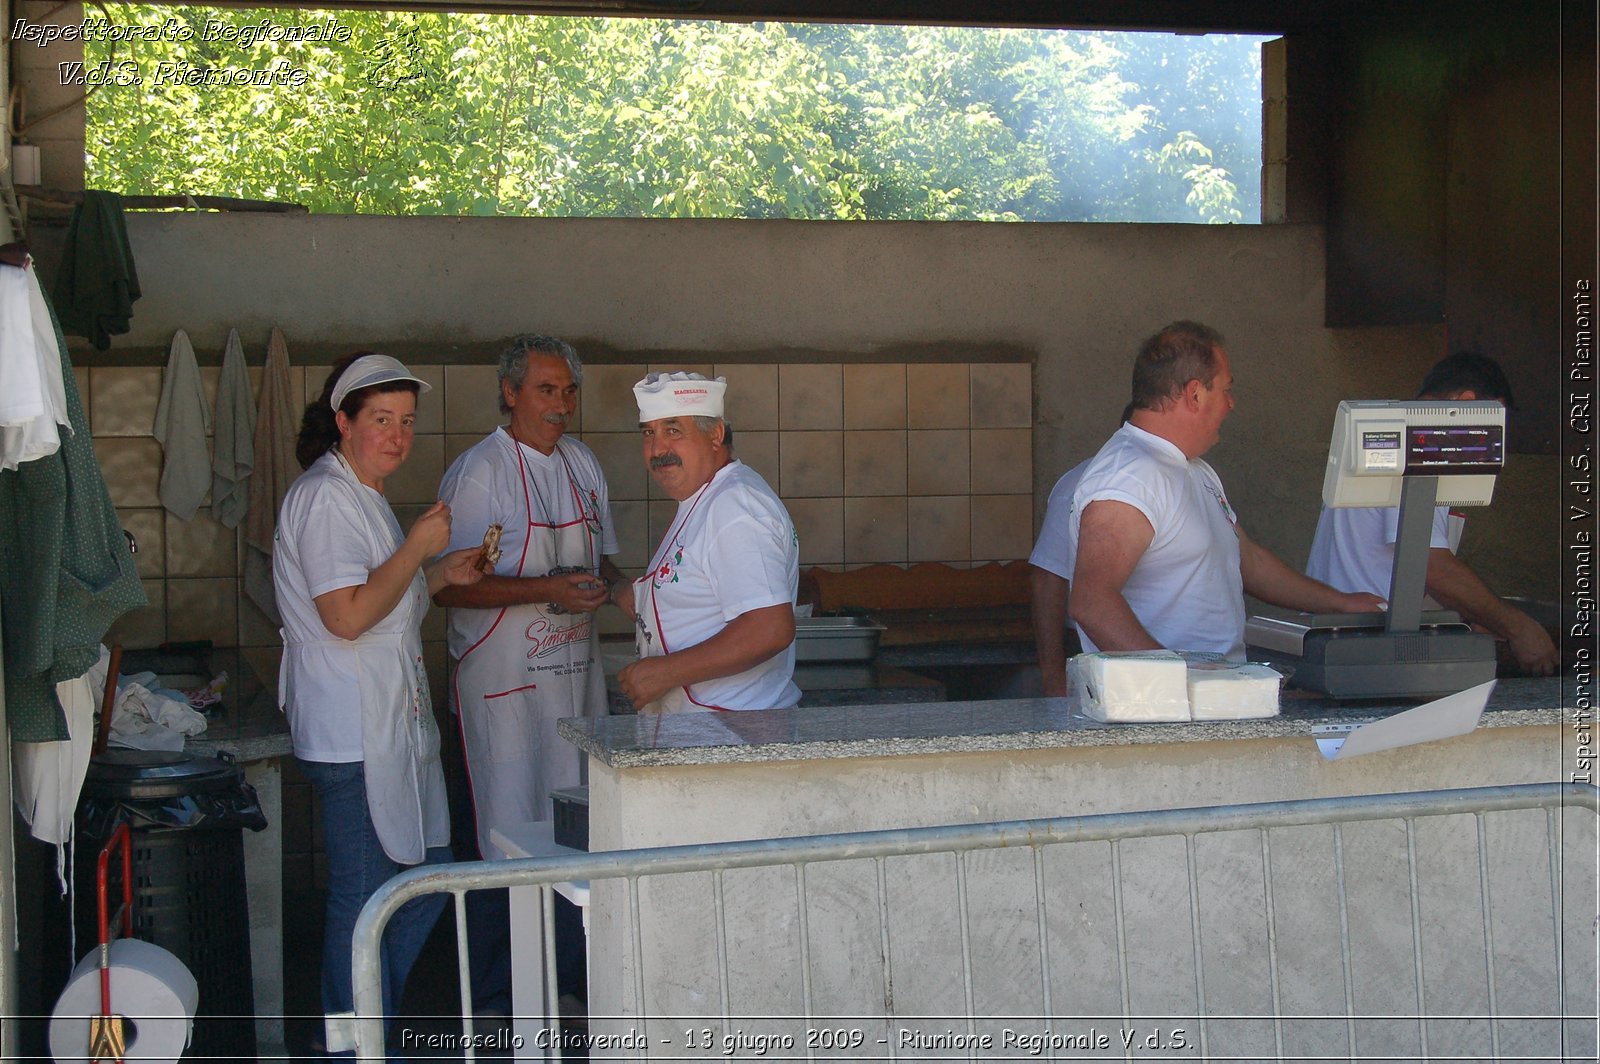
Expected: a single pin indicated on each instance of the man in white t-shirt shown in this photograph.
(1354, 546)
(1160, 559)
(715, 610)
(1050, 578)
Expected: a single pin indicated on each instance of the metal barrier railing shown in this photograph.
(363, 1030)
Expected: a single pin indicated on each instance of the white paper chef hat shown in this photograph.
(679, 394)
(368, 370)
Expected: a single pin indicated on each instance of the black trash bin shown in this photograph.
(186, 816)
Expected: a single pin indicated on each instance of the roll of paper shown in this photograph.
(149, 986)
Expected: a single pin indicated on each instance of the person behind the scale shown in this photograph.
(715, 611)
(1354, 547)
(1160, 559)
(523, 637)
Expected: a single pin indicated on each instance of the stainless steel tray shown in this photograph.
(836, 638)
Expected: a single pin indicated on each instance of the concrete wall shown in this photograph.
(1076, 299)
(1315, 885)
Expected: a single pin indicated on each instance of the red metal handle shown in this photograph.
(124, 838)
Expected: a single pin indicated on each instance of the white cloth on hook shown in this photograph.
(182, 422)
(33, 399)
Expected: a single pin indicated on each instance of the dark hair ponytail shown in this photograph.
(318, 429)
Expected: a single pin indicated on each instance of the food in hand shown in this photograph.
(491, 546)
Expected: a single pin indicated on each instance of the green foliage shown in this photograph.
(409, 113)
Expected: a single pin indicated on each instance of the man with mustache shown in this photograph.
(715, 610)
(524, 641)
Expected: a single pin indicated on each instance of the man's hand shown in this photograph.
(575, 592)
(645, 681)
(622, 596)
(1362, 602)
(1531, 646)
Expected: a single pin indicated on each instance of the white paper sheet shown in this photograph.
(1442, 718)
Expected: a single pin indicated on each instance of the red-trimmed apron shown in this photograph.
(650, 637)
(530, 670)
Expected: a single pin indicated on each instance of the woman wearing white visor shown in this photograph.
(352, 590)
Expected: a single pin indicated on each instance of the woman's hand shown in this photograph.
(430, 533)
(457, 568)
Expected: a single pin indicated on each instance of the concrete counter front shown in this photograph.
(738, 946)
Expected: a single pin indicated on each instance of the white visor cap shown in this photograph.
(680, 394)
(368, 370)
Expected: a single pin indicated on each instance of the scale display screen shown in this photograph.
(1449, 449)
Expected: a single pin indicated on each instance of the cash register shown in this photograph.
(1414, 455)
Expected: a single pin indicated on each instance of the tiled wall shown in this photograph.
(887, 462)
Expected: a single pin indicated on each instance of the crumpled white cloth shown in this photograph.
(46, 778)
(33, 398)
(233, 451)
(182, 421)
(143, 719)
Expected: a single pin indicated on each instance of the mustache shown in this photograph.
(665, 461)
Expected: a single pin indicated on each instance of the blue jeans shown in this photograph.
(357, 866)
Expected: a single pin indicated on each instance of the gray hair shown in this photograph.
(513, 367)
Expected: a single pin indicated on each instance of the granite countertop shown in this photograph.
(955, 727)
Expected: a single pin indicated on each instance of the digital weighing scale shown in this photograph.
(1415, 455)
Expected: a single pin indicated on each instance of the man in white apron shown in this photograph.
(523, 639)
(715, 610)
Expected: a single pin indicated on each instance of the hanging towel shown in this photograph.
(32, 396)
(65, 571)
(182, 422)
(97, 284)
(277, 424)
(46, 778)
(233, 454)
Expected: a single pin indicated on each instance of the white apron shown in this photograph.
(399, 739)
(530, 670)
(650, 637)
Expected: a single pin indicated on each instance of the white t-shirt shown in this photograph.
(731, 549)
(1186, 590)
(323, 543)
(1055, 550)
(1353, 549)
(485, 486)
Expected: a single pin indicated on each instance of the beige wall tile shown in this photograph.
(1002, 527)
(436, 660)
(470, 401)
(417, 481)
(433, 624)
(1002, 461)
(430, 404)
(761, 452)
(607, 398)
(263, 661)
(938, 462)
(633, 536)
(255, 629)
(312, 380)
(875, 530)
(812, 464)
(200, 546)
(621, 456)
(407, 513)
(123, 400)
(145, 627)
(752, 399)
(455, 446)
(875, 396)
(936, 396)
(80, 377)
(131, 467)
(820, 526)
(810, 397)
(1002, 395)
(875, 462)
(612, 621)
(705, 369)
(938, 528)
(662, 514)
(149, 532)
(203, 609)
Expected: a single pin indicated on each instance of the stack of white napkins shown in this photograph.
(1159, 685)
